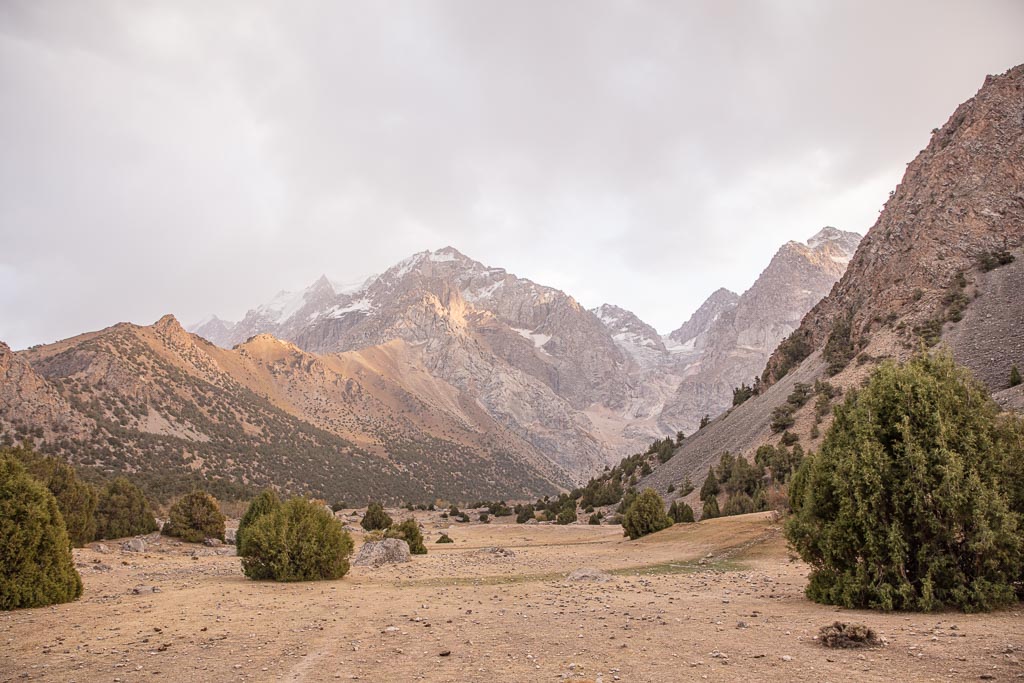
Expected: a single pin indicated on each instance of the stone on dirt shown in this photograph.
(387, 551)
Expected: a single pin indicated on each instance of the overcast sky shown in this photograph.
(196, 157)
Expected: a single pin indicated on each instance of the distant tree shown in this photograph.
(376, 519)
(36, 566)
(524, 513)
(741, 394)
(265, 503)
(594, 518)
(738, 504)
(122, 510)
(710, 489)
(914, 500)
(704, 422)
(646, 515)
(567, 513)
(710, 510)
(680, 512)
(195, 517)
(680, 438)
(409, 531)
(445, 538)
(298, 541)
(1015, 377)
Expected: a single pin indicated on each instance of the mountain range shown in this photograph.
(440, 377)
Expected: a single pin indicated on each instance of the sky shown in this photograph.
(195, 158)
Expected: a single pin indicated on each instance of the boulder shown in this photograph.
(387, 551)
(212, 542)
(134, 545)
(230, 536)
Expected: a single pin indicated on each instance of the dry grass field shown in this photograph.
(719, 601)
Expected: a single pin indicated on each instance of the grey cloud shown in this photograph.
(196, 158)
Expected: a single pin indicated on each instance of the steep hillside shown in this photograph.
(959, 206)
(164, 403)
(941, 265)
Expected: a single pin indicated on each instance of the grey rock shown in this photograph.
(134, 545)
(377, 553)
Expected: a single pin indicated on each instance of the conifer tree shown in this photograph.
(36, 566)
(122, 510)
(910, 504)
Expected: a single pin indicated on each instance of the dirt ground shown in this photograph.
(718, 601)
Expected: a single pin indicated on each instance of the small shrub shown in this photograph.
(567, 514)
(265, 503)
(37, 568)
(646, 515)
(789, 438)
(375, 518)
(1015, 378)
(195, 517)
(409, 531)
(704, 422)
(671, 488)
(843, 635)
(485, 518)
(595, 519)
(524, 514)
(738, 504)
(741, 394)
(445, 538)
(298, 541)
(122, 511)
(990, 260)
(782, 418)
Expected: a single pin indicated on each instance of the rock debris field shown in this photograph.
(719, 601)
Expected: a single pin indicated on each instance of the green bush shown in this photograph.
(375, 518)
(524, 513)
(195, 517)
(710, 489)
(445, 538)
(710, 510)
(266, 502)
(409, 531)
(595, 519)
(76, 499)
(567, 513)
(738, 504)
(680, 512)
(646, 515)
(485, 518)
(122, 511)
(1015, 378)
(297, 541)
(914, 501)
(36, 566)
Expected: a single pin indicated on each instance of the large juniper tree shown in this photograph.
(911, 503)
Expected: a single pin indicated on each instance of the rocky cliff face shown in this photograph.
(960, 200)
(693, 331)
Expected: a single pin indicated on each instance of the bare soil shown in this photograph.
(720, 600)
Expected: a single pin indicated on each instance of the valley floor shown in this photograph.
(719, 601)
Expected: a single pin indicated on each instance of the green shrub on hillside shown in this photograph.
(265, 503)
(408, 531)
(195, 517)
(297, 541)
(645, 515)
(679, 512)
(375, 517)
(913, 502)
(445, 538)
(36, 566)
(710, 510)
(122, 511)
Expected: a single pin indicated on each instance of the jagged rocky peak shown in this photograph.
(720, 301)
(628, 330)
